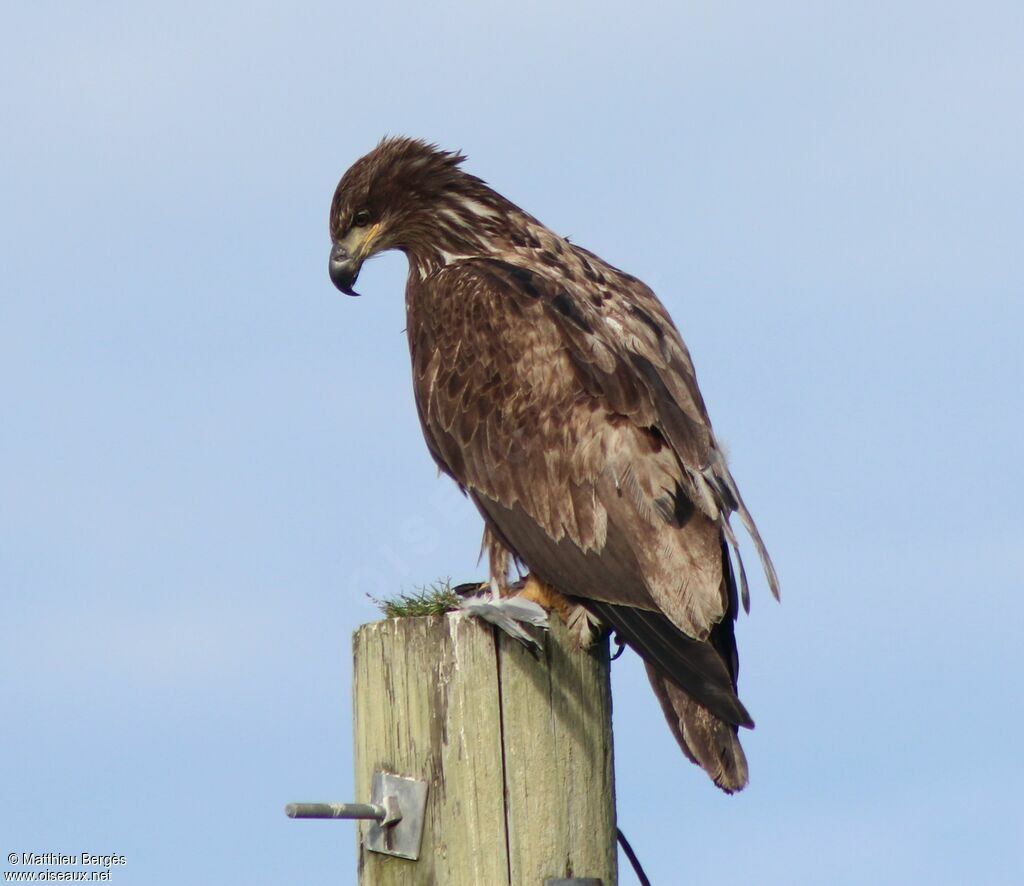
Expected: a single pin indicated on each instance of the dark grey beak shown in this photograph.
(343, 269)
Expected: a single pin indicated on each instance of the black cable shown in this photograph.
(618, 641)
(633, 860)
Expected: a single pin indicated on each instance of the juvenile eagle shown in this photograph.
(556, 391)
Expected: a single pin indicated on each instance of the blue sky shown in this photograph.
(208, 457)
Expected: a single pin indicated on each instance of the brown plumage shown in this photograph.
(556, 391)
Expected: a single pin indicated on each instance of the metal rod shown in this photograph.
(336, 810)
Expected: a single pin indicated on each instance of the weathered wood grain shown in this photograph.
(560, 785)
(516, 751)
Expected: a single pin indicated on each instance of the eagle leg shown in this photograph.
(503, 607)
(499, 560)
(545, 595)
(583, 625)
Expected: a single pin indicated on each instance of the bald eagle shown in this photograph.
(558, 394)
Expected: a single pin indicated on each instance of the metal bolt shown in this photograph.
(387, 814)
(392, 830)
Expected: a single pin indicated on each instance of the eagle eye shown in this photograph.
(361, 219)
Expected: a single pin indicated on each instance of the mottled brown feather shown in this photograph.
(557, 392)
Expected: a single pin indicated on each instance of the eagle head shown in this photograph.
(406, 195)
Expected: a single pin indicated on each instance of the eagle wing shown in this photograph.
(568, 409)
(623, 341)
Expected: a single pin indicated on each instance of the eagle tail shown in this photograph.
(695, 681)
(706, 740)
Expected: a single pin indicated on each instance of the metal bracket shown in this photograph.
(402, 837)
(395, 814)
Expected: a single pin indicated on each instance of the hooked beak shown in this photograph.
(348, 255)
(343, 268)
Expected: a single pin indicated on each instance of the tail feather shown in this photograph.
(695, 681)
(706, 669)
(706, 740)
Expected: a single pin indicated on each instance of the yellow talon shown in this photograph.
(544, 595)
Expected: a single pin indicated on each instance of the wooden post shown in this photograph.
(516, 751)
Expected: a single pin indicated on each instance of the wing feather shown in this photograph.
(581, 417)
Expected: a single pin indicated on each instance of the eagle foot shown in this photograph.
(528, 602)
(584, 627)
(544, 595)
